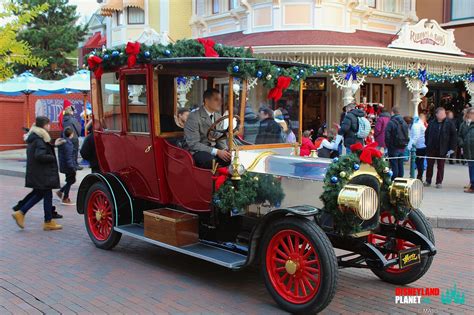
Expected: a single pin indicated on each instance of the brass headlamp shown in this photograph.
(407, 191)
(359, 199)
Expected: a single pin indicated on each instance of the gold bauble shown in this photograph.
(342, 174)
(386, 170)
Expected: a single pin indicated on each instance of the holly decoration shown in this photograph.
(347, 222)
(235, 196)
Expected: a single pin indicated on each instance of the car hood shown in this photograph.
(267, 162)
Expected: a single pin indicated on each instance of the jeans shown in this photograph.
(397, 163)
(35, 196)
(420, 163)
(430, 169)
(471, 173)
(70, 179)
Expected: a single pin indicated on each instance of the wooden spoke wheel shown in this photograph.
(299, 265)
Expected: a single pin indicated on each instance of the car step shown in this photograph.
(203, 251)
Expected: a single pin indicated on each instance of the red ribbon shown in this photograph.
(95, 64)
(282, 84)
(221, 176)
(368, 152)
(208, 45)
(132, 50)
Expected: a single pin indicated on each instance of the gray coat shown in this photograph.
(195, 132)
(466, 140)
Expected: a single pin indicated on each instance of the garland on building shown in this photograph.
(273, 77)
(236, 196)
(338, 176)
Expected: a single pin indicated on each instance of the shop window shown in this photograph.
(376, 93)
(200, 6)
(119, 18)
(390, 6)
(135, 16)
(388, 91)
(110, 113)
(372, 3)
(233, 4)
(462, 9)
(215, 6)
(137, 109)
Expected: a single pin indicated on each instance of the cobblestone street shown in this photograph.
(62, 272)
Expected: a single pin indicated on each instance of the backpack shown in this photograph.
(401, 138)
(364, 128)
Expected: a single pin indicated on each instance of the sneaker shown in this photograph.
(60, 194)
(51, 226)
(426, 184)
(56, 215)
(469, 190)
(439, 186)
(467, 186)
(67, 202)
(19, 218)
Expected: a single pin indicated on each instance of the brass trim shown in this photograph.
(366, 169)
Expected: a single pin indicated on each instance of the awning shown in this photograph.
(111, 6)
(93, 41)
(134, 4)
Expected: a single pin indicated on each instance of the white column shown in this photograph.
(348, 96)
(165, 16)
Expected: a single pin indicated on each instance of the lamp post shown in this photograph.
(417, 88)
(470, 90)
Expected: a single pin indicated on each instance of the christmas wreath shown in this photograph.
(235, 196)
(338, 176)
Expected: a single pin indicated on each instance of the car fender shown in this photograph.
(259, 229)
(123, 202)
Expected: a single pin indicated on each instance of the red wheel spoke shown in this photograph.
(282, 254)
(280, 269)
(279, 260)
(283, 278)
(312, 270)
(311, 262)
(310, 276)
(297, 244)
(308, 284)
(297, 287)
(289, 285)
(285, 247)
(303, 247)
(290, 243)
(303, 288)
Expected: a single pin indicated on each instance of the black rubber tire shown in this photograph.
(327, 258)
(423, 226)
(114, 236)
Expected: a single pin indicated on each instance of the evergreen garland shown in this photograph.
(235, 196)
(337, 177)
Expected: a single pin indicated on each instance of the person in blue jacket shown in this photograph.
(67, 165)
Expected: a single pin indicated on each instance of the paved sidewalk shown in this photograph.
(448, 207)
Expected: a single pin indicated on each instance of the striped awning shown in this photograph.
(134, 4)
(111, 6)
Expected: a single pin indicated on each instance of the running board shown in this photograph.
(202, 251)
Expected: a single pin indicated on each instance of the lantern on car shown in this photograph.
(358, 199)
(406, 191)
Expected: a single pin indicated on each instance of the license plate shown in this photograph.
(409, 257)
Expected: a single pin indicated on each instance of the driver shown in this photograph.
(195, 132)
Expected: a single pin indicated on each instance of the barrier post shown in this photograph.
(412, 162)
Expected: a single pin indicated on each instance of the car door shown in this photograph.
(141, 175)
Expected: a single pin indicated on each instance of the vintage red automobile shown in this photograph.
(271, 207)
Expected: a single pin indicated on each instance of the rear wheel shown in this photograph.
(416, 221)
(99, 217)
(299, 265)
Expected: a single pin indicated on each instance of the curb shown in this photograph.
(436, 222)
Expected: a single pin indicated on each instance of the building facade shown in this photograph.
(372, 34)
(147, 21)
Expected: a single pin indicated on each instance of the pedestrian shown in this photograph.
(466, 142)
(41, 174)
(66, 165)
(440, 139)
(88, 152)
(269, 130)
(69, 120)
(450, 117)
(306, 144)
(380, 126)
(417, 141)
(354, 128)
(396, 140)
(324, 147)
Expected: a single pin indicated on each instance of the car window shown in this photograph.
(137, 109)
(111, 111)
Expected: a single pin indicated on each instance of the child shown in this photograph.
(67, 165)
(326, 148)
(306, 143)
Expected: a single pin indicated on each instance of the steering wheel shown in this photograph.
(211, 133)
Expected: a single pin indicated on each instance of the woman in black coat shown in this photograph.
(41, 174)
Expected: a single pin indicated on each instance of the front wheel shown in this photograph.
(299, 265)
(416, 221)
(99, 217)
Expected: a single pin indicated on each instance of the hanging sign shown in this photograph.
(426, 35)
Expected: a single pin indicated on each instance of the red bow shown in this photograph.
(132, 50)
(282, 84)
(208, 45)
(368, 152)
(221, 176)
(95, 64)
